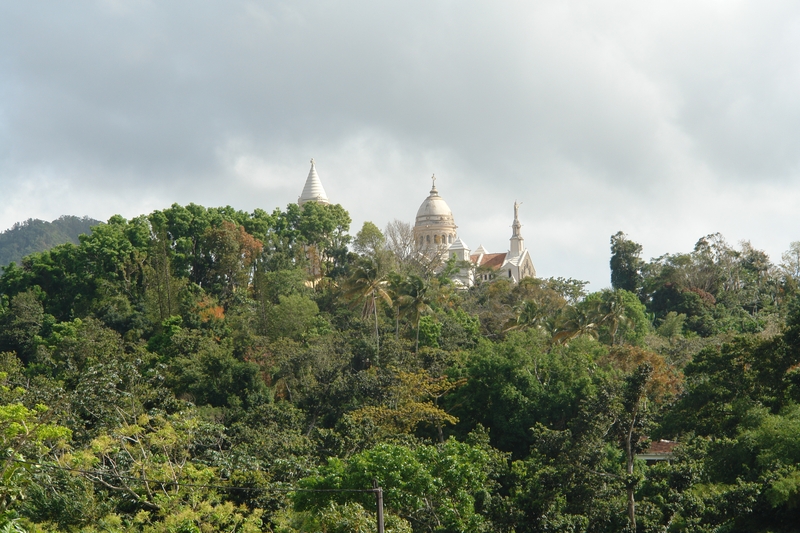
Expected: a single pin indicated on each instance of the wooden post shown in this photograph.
(379, 501)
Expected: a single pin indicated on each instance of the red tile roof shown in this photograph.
(494, 261)
(661, 446)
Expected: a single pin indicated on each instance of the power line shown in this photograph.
(179, 484)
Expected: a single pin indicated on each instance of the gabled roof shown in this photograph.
(517, 259)
(494, 261)
(459, 245)
(313, 190)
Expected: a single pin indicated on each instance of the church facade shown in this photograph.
(435, 231)
(435, 234)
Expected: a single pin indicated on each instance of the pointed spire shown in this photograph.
(517, 243)
(516, 226)
(313, 190)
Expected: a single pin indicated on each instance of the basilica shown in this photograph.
(435, 234)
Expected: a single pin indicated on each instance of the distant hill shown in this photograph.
(36, 235)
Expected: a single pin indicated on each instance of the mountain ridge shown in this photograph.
(35, 235)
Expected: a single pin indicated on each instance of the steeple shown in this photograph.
(313, 190)
(517, 242)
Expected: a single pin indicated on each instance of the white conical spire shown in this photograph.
(313, 190)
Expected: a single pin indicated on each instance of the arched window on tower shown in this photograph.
(428, 238)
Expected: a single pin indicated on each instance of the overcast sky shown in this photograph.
(666, 120)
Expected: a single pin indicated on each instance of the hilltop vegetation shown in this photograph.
(36, 235)
(189, 370)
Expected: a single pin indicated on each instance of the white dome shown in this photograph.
(434, 228)
(434, 210)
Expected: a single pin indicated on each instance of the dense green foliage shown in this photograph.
(207, 369)
(36, 235)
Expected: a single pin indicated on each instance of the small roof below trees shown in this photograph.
(658, 450)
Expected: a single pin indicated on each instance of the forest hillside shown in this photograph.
(34, 235)
(207, 369)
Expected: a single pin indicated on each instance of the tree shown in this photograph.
(231, 254)
(368, 283)
(269, 286)
(724, 382)
(323, 229)
(396, 287)
(529, 314)
(400, 240)
(619, 315)
(161, 287)
(369, 240)
(790, 269)
(665, 381)
(147, 463)
(572, 290)
(21, 324)
(434, 488)
(514, 384)
(411, 400)
(416, 301)
(27, 435)
(631, 429)
(572, 322)
(626, 263)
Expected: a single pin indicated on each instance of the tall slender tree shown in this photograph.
(416, 302)
(626, 263)
(368, 283)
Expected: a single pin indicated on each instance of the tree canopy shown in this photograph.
(209, 369)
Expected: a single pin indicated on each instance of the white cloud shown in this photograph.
(667, 120)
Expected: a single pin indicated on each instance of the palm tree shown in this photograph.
(612, 313)
(396, 286)
(528, 314)
(368, 283)
(416, 301)
(574, 322)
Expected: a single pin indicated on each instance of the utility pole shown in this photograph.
(379, 500)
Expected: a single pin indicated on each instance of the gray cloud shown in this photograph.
(667, 121)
